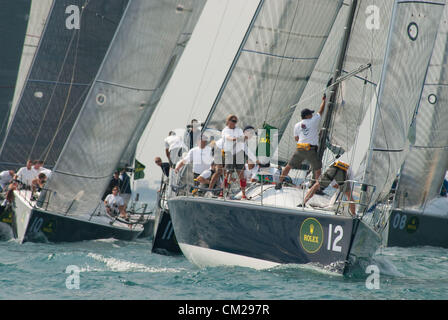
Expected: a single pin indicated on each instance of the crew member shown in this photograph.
(306, 133)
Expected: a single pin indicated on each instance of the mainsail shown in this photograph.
(410, 45)
(125, 92)
(275, 62)
(61, 74)
(367, 45)
(39, 11)
(423, 172)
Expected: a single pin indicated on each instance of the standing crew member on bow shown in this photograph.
(306, 133)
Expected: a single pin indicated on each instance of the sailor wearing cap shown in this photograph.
(306, 133)
(201, 157)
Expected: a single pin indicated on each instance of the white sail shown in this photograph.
(367, 45)
(275, 63)
(410, 45)
(423, 172)
(126, 91)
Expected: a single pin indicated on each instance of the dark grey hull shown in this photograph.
(164, 241)
(35, 225)
(261, 234)
(412, 229)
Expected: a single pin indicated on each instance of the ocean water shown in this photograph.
(113, 269)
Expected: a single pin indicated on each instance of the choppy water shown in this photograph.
(112, 269)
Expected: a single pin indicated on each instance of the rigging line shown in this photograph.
(281, 63)
(52, 94)
(209, 59)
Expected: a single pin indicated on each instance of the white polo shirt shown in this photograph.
(308, 130)
(112, 200)
(233, 146)
(26, 176)
(173, 142)
(5, 179)
(200, 158)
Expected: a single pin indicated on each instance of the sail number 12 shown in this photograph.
(333, 244)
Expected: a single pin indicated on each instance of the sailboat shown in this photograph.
(270, 73)
(123, 95)
(224, 36)
(420, 216)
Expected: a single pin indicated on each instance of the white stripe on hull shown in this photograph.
(203, 257)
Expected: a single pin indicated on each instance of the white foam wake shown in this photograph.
(118, 265)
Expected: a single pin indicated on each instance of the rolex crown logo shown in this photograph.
(312, 228)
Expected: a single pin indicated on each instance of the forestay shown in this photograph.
(410, 45)
(56, 86)
(424, 170)
(126, 90)
(275, 62)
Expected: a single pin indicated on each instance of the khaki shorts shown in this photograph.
(234, 161)
(301, 155)
(332, 173)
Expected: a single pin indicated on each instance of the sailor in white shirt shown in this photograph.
(5, 178)
(26, 174)
(234, 151)
(37, 168)
(115, 204)
(306, 133)
(174, 147)
(201, 157)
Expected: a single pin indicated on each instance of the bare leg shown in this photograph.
(243, 182)
(311, 192)
(352, 205)
(285, 173)
(215, 178)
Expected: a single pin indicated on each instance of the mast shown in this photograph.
(337, 74)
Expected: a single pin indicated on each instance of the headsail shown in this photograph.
(275, 62)
(423, 172)
(62, 71)
(410, 45)
(126, 91)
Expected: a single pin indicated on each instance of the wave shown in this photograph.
(117, 265)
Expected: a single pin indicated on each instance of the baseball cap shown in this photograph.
(306, 112)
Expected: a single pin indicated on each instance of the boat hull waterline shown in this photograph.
(232, 233)
(411, 229)
(36, 225)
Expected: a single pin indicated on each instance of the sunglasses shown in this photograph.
(234, 121)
